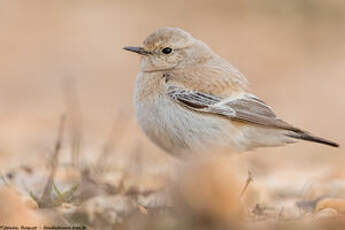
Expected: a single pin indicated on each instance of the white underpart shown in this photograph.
(177, 129)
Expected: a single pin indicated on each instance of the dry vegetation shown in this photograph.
(213, 192)
(93, 167)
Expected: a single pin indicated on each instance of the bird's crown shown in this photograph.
(168, 37)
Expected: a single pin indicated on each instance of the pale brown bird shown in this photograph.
(187, 98)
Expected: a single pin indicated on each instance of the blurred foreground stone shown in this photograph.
(211, 190)
(15, 211)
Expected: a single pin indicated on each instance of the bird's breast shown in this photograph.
(177, 129)
(161, 121)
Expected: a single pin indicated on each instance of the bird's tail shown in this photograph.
(309, 137)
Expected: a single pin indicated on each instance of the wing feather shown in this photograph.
(246, 108)
(192, 99)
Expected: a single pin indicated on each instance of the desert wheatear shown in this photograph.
(189, 98)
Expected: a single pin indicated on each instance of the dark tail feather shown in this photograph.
(308, 137)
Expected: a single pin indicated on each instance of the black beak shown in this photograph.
(135, 49)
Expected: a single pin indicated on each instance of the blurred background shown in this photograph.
(292, 52)
(62, 56)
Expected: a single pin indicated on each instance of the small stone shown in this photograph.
(111, 209)
(155, 200)
(333, 203)
(326, 213)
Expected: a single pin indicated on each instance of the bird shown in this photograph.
(189, 99)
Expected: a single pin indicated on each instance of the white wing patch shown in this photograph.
(246, 107)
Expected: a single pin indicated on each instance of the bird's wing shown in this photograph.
(246, 108)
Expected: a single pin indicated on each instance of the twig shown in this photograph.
(109, 145)
(143, 210)
(280, 216)
(136, 165)
(72, 103)
(3, 178)
(54, 161)
(248, 181)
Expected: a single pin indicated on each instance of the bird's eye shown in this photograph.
(166, 50)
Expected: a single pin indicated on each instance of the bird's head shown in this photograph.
(169, 48)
